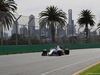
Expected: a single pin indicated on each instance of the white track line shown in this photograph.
(69, 65)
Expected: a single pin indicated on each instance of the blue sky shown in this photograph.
(28, 7)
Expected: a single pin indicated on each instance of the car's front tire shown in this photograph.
(44, 53)
(66, 51)
(59, 53)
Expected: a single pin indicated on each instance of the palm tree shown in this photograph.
(6, 9)
(98, 25)
(6, 16)
(86, 18)
(52, 17)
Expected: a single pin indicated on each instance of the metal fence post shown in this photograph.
(40, 34)
(29, 35)
(78, 30)
(72, 32)
(17, 29)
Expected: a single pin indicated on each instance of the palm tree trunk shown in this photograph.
(86, 33)
(53, 32)
(58, 35)
(1, 35)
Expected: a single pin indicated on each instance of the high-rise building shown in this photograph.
(31, 24)
(23, 30)
(70, 16)
(14, 28)
(60, 33)
(45, 31)
(5, 35)
(70, 26)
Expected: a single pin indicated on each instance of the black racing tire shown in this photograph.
(59, 53)
(67, 52)
(44, 53)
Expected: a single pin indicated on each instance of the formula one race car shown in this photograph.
(57, 51)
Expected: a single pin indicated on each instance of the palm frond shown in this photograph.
(52, 17)
(86, 17)
(7, 6)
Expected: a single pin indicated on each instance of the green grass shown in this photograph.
(95, 70)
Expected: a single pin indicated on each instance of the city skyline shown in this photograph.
(26, 7)
(33, 24)
(34, 31)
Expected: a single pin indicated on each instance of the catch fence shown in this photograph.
(26, 30)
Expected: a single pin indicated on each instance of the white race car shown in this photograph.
(57, 51)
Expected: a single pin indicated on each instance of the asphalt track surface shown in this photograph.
(35, 64)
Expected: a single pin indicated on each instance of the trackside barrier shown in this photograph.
(38, 48)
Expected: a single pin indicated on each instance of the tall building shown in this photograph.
(23, 30)
(5, 34)
(70, 17)
(14, 28)
(70, 26)
(45, 32)
(60, 33)
(31, 24)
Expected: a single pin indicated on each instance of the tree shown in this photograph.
(98, 25)
(6, 8)
(52, 17)
(86, 18)
(6, 16)
(35, 39)
(22, 39)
